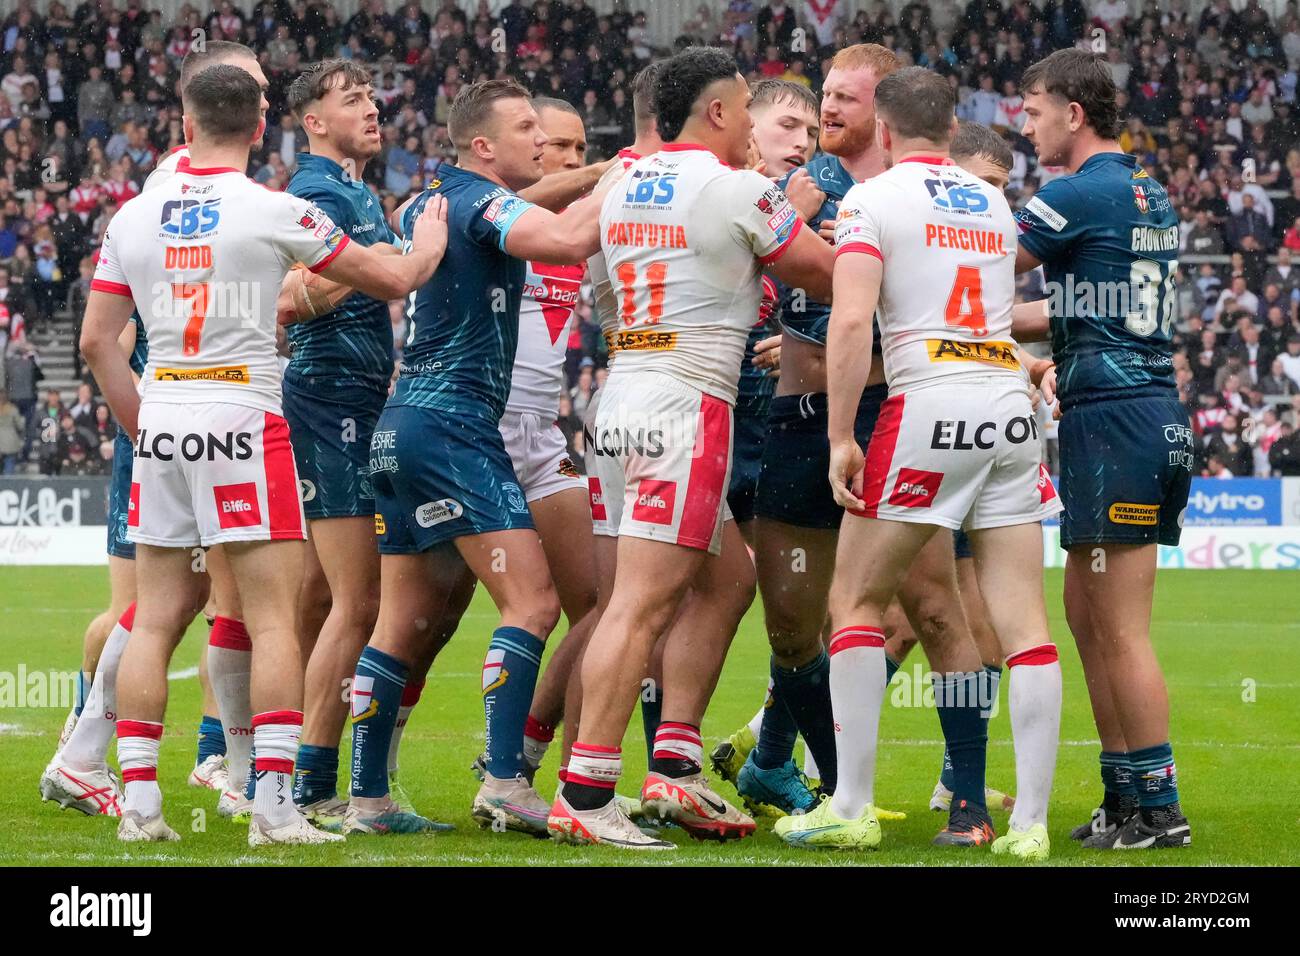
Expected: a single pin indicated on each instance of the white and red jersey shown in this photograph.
(685, 238)
(605, 299)
(203, 254)
(948, 243)
(545, 314)
(166, 167)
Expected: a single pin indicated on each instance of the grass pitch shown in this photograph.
(1229, 642)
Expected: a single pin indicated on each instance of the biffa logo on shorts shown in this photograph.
(237, 505)
(655, 501)
(916, 488)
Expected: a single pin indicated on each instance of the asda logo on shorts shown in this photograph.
(436, 512)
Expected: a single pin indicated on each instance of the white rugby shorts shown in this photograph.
(539, 455)
(959, 455)
(204, 474)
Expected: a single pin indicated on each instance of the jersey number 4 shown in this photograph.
(965, 308)
(655, 275)
(196, 294)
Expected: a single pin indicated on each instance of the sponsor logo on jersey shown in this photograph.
(237, 505)
(650, 187)
(655, 501)
(915, 488)
(196, 446)
(187, 257)
(189, 217)
(639, 341)
(306, 490)
(436, 512)
(380, 526)
(988, 353)
(1140, 199)
(782, 223)
(598, 512)
(229, 374)
(382, 445)
(1046, 213)
(494, 674)
(771, 201)
(1122, 512)
(613, 442)
(648, 234)
(961, 237)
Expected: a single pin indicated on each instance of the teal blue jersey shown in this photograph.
(140, 352)
(755, 388)
(460, 350)
(1107, 236)
(353, 345)
(802, 317)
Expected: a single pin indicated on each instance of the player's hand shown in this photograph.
(826, 229)
(804, 195)
(847, 462)
(429, 233)
(767, 355)
(1047, 385)
(753, 158)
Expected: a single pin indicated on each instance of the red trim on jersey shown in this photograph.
(880, 455)
(139, 728)
(112, 288)
(175, 149)
(847, 638)
(628, 154)
(780, 250)
(863, 247)
(229, 633)
(184, 167)
(330, 258)
(706, 484)
(1042, 654)
(928, 160)
(292, 717)
(284, 508)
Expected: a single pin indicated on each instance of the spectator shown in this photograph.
(1204, 238)
(51, 413)
(1284, 275)
(1284, 455)
(1237, 298)
(1251, 352)
(1249, 231)
(13, 434)
(1290, 359)
(1277, 382)
(83, 410)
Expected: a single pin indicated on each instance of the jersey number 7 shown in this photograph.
(197, 295)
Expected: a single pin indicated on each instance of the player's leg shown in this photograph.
(210, 755)
(605, 552)
(349, 562)
(512, 566)
(421, 598)
(230, 664)
(163, 612)
(1009, 563)
(872, 560)
(693, 652)
(313, 598)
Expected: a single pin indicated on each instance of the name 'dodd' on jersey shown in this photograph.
(187, 257)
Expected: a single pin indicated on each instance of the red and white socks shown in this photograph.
(857, 693)
(676, 742)
(537, 738)
(591, 775)
(410, 697)
(138, 742)
(1035, 699)
(230, 665)
(275, 738)
(87, 746)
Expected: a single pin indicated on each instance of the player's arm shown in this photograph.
(806, 263)
(1026, 261)
(858, 276)
(106, 324)
(566, 238)
(306, 295)
(383, 276)
(1031, 321)
(558, 190)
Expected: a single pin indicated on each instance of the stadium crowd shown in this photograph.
(88, 104)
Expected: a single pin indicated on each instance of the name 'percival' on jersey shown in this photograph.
(685, 237)
(948, 243)
(203, 255)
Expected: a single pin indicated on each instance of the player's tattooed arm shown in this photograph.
(304, 295)
(1031, 321)
(107, 315)
(559, 190)
(858, 276)
(385, 277)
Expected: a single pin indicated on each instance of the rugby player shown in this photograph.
(335, 386)
(665, 420)
(78, 777)
(447, 499)
(954, 447)
(213, 462)
(1125, 439)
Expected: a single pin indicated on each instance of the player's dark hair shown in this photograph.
(319, 78)
(789, 92)
(210, 53)
(917, 103)
(1080, 77)
(976, 139)
(225, 102)
(643, 96)
(472, 108)
(682, 80)
(553, 103)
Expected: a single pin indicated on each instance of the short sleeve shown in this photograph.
(109, 276)
(494, 213)
(320, 196)
(765, 221)
(304, 233)
(1051, 222)
(858, 225)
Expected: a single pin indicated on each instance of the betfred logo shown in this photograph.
(655, 501)
(915, 488)
(237, 505)
(597, 499)
(133, 509)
